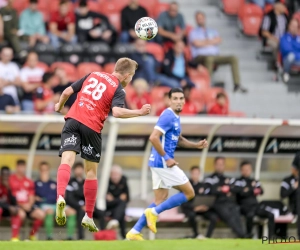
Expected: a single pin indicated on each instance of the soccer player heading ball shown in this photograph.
(97, 94)
(165, 171)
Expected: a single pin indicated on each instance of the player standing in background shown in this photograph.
(165, 172)
(98, 94)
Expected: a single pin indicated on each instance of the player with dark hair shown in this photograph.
(97, 94)
(165, 171)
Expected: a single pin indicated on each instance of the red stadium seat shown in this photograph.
(159, 8)
(198, 98)
(200, 77)
(112, 6)
(43, 66)
(188, 29)
(156, 50)
(115, 20)
(250, 18)
(231, 7)
(149, 6)
(20, 5)
(68, 67)
(211, 94)
(85, 68)
(109, 67)
(157, 93)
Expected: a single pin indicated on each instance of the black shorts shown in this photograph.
(28, 214)
(5, 212)
(80, 138)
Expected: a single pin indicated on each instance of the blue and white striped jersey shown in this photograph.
(169, 124)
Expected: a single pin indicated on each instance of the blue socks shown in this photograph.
(174, 201)
(142, 222)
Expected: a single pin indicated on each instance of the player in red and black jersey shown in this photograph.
(98, 93)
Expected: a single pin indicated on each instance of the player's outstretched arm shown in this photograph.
(63, 98)
(128, 113)
(184, 143)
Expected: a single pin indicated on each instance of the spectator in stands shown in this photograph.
(192, 211)
(64, 82)
(220, 107)
(45, 99)
(159, 109)
(23, 189)
(129, 16)
(274, 26)
(148, 66)
(117, 198)
(204, 44)
(92, 26)
(62, 25)
(288, 189)
(9, 26)
(175, 63)
(45, 194)
(171, 25)
(141, 96)
(247, 189)
(9, 74)
(8, 204)
(290, 49)
(221, 186)
(262, 3)
(7, 103)
(31, 78)
(32, 26)
(190, 107)
(75, 199)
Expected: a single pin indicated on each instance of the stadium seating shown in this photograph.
(85, 68)
(249, 19)
(97, 52)
(198, 98)
(72, 53)
(20, 5)
(200, 78)
(231, 7)
(157, 50)
(159, 8)
(68, 67)
(46, 52)
(149, 6)
(109, 67)
(157, 93)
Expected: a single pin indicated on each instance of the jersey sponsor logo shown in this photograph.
(175, 138)
(88, 150)
(98, 155)
(70, 141)
(89, 107)
(53, 186)
(81, 104)
(87, 100)
(151, 158)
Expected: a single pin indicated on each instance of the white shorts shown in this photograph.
(168, 177)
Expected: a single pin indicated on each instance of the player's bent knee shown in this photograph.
(68, 157)
(21, 214)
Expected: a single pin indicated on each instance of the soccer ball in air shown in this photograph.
(146, 28)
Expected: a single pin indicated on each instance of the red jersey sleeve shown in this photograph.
(71, 17)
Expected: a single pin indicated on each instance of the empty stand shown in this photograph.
(85, 68)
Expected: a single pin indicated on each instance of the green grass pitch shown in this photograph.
(211, 244)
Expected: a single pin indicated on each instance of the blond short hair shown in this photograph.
(140, 83)
(125, 65)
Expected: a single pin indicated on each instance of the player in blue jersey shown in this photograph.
(165, 171)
